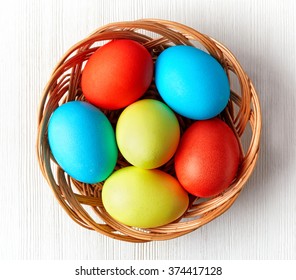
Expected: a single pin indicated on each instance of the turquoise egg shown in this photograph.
(192, 82)
(82, 141)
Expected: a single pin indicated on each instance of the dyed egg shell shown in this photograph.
(82, 141)
(143, 198)
(207, 158)
(147, 133)
(117, 74)
(191, 82)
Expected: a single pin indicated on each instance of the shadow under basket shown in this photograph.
(83, 202)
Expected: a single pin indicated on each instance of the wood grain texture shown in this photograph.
(262, 222)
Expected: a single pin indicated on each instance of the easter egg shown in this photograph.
(207, 158)
(147, 133)
(191, 82)
(143, 198)
(117, 74)
(82, 141)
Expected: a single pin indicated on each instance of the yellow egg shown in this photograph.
(147, 133)
(144, 198)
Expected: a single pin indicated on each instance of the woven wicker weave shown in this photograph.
(82, 201)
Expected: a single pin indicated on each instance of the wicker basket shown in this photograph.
(83, 201)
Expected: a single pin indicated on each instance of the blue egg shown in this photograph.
(82, 141)
(191, 82)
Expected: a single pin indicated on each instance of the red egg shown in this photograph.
(117, 74)
(207, 158)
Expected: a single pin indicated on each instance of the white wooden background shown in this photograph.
(34, 35)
